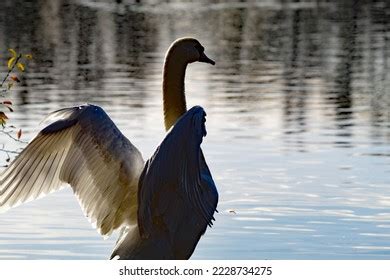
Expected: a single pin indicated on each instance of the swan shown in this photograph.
(162, 206)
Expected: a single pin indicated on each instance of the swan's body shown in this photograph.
(164, 205)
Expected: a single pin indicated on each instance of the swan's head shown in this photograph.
(188, 50)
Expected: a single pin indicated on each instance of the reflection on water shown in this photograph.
(298, 117)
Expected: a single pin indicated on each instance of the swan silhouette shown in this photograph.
(162, 206)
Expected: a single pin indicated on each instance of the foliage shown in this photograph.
(16, 64)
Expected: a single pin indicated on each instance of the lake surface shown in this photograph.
(298, 117)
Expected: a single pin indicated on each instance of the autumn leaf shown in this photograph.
(20, 66)
(15, 78)
(3, 118)
(19, 134)
(12, 59)
(10, 62)
(13, 52)
(28, 56)
(8, 105)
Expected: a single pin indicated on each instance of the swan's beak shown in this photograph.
(203, 58)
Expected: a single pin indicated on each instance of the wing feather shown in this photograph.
(176, 190)
(83, 148)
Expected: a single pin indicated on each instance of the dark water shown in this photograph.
(298, 117)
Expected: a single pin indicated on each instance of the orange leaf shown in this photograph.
(19, 134)
(3, 118)
(15, 78)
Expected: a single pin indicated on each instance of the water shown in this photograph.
(297, 116)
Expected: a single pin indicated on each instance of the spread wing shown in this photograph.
(85, 149)
(177, 194)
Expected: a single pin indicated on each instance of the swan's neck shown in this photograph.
(173, 90)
